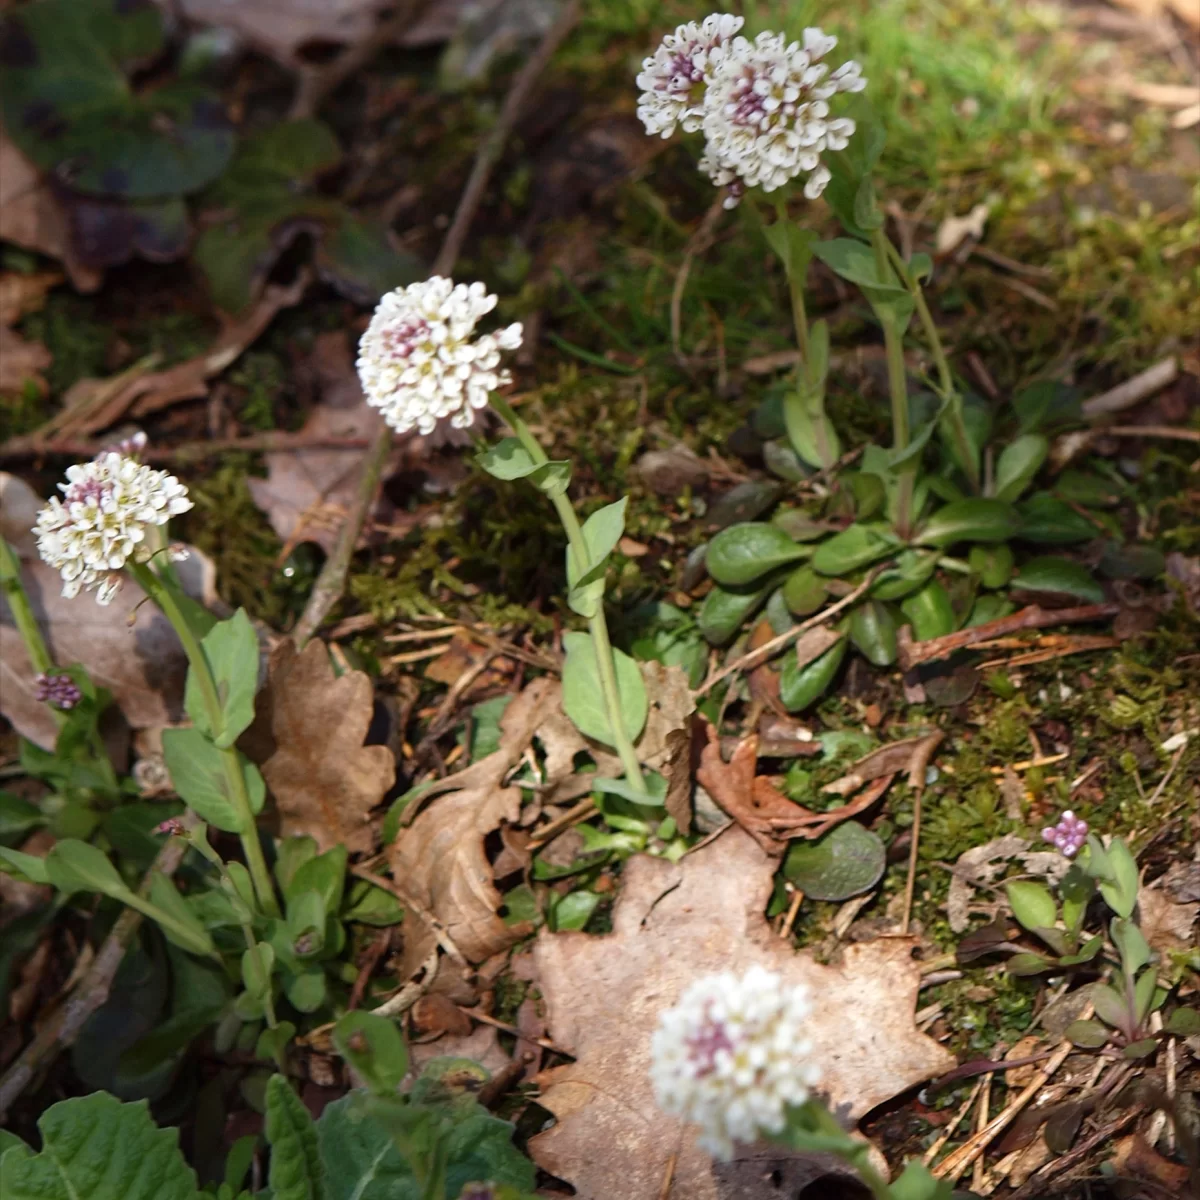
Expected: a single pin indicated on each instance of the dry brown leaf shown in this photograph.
(672, 924)
(981, 865)
(324, 780)
(481, 1045)
(281, 28)
(759, 807)
(31, 216)
(147, 392)
(127, 647)
(307, 493)
(22, 361)
(887, 760)
(440, 859)
(1168, 926)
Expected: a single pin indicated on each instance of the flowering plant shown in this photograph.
(732, 1058)
(779, 120)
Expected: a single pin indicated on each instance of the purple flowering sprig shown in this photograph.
(1068, 836)
(58, 690)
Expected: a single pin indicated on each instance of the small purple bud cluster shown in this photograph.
(1068, 835)
(173, 826)
(60, 691)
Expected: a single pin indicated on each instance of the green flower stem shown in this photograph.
(893, 340)
(597, 625)
(830, 1138)
(18, 603)
(236, 781)
(796, 289)
(945, 386)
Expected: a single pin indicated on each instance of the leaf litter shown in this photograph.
(673, 923)
(325, 781)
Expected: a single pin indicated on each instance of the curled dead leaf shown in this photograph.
(440, 858)
(324, 780)
(672, 924)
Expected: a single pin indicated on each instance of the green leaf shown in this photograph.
(1032, 904)
(96, 1148)
(929, 612)
(809, 430)
(1131, 944)
(362, 1161)
(290, 855)
(296, 1172)
(17, 818)
(804, 591)
(873, 632)
(187, 932)
(1028, 964)
(307, 991)
(75, 866)
(322, 873)
(231, 648)
(801, 687)
(66, 102)
(272, 1044)
(793, 246)
(917, 1182)
(583, 699)
(1141, 1049)
(853, 548)
(371, 905)
(373, 1046)
(911, 569)
(1183, 1022)
(601, 532)
(1048, 521)
(197, 770)
(358, 258)
(1057, 576)
(1090, 1035)
(1110, 1005)
(854, 261)
(723, 612)
(1018, 463)
(845, 862)
(976, 519)
(993, 564)
(849, 192)
(258, 962)
(743, 554)
(1144, 990)
(574, 910)
(29, 867)
(1120, 891)
(1046, 405)
(509, 460)
(655, 795)
(306, 917)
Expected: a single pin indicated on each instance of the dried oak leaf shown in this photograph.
(22, 361)
(440, 859)
(1166, 924)
(324, 780)
(672, 924)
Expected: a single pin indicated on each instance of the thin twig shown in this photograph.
(418, 909)
(913, 654)
(916, 780)
(1129, 393)
(955, 1164)
(698, 243)
(62, 1028)
(332, 580)
(768, 650)
(493, 145)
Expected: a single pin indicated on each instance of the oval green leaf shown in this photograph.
(800, 687)
(1058, 576)
(855, 547)
(583, 699)
(873, 632)
(845, 862)
(929, 612)
(972, 520)
(743, 554)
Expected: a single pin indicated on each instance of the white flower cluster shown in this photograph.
(732, 1055)
(763, 105)
(101, 521)
(418, 361)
